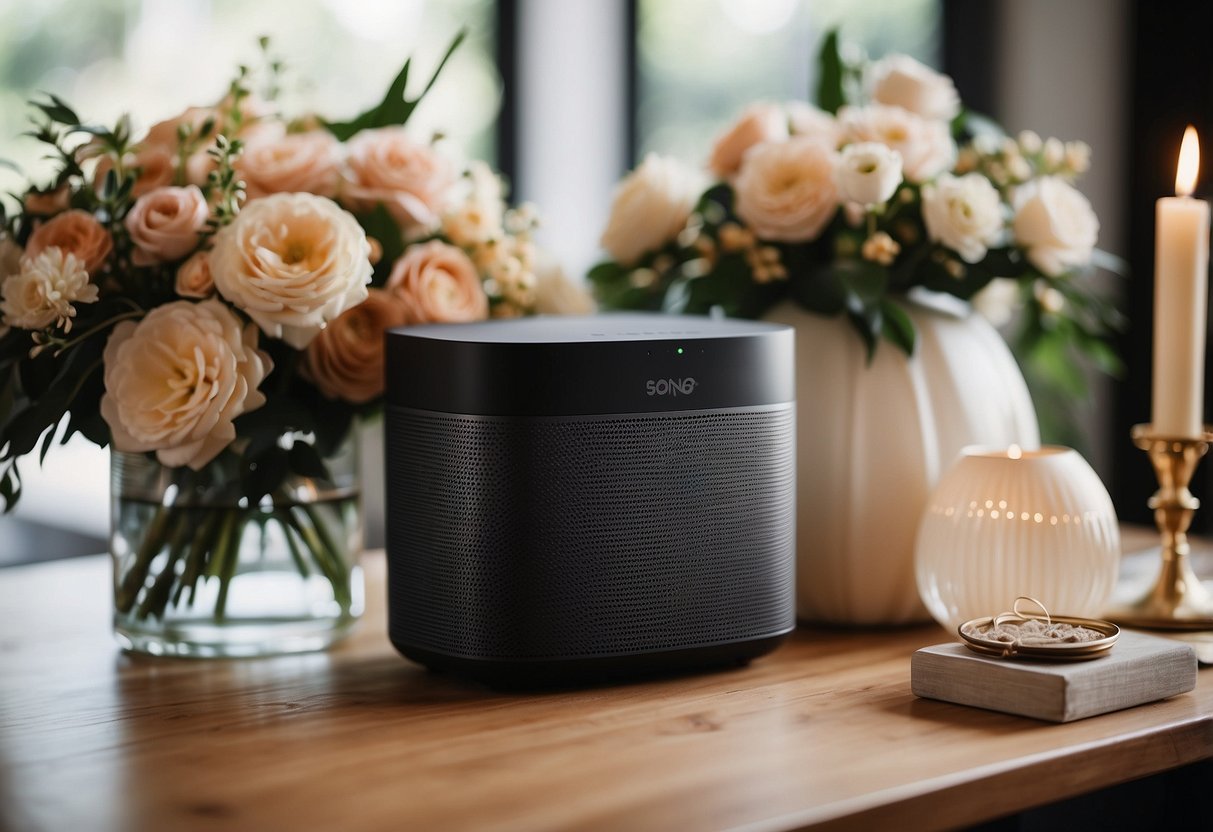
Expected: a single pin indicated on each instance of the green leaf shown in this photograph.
(830, 96)
(396, 106)
(57, 111)
(897, 328)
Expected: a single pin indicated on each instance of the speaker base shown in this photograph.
(546, 673)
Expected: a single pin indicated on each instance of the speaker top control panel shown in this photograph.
(592, 365)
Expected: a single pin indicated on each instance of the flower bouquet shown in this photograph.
(210, 300)
(887, 188)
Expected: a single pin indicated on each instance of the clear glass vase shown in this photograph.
(198, 571)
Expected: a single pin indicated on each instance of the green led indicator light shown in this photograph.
(680, 350)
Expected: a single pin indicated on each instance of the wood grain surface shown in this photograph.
(824, 733)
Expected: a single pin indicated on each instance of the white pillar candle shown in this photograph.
(1181, 266)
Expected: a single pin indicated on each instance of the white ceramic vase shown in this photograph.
(873, 440)
(1000, 525)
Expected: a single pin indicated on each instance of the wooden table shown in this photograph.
(824, 733)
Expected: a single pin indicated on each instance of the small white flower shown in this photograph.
(1078, 156)
(45, 290)
(868, 173)
(1054, 153)
(997, 301)
(1029, 142)
(963, 213)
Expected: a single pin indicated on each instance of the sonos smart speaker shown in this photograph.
(589, 496)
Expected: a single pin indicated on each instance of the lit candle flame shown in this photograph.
(1189, 163)
(1014, 452)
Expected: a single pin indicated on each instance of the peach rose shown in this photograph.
(176, 380)
(345, 361)
(649, 207)
(154, 166)
(760, 122)
(388, 166)
(926, 146)
(307, 162)
(786, 190)
(76, 232)
(292, 262)
(806, 120)
(194, 278)
(438, 284)
(904, 82)
(46, 203)
(164, 224)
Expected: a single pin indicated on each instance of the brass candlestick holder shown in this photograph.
(1177, 600)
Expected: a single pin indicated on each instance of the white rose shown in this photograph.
(46, 290)
(901, 81)
(1056, 224)
(786, 190)
(650, 206)
(964, 213)
(926, 146)
(292, 262)
(175, 381)
(868, 173)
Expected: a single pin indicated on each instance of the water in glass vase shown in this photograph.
(200, 572)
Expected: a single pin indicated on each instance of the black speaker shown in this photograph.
(598, 496)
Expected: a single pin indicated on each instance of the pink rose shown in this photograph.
(297, 162)
(194, 278)
(761, 122)
(388, 166)
(438, 284)
(345, 361)
(76, 232)
(164, 224)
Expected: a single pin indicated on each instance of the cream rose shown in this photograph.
(438, 284)
(901, 81)
(309, 162)
(194, 278)
(76, 232)
(388, 166)
(45, 291)
(345, 361)
(760, 122)
(963, 213)
(176, 380)
(868, 173)
(292, 262)
(806, 120)
(556, 294)
(164, 224)
(926, 147)
(650, 206)
(786, 190)
(1056, 224)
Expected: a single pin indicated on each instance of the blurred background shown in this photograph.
(565, 95)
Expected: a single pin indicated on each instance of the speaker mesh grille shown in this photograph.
(576, 538)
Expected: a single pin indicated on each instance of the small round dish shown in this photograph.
(1062, 652)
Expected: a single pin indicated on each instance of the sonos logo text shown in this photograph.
(671, 386)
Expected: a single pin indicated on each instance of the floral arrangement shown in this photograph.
(887, 187)
(215, 293)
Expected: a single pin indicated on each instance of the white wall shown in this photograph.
(1064, 71)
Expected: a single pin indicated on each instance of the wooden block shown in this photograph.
(1140, 668)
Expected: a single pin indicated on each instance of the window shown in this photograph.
(700, 62)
